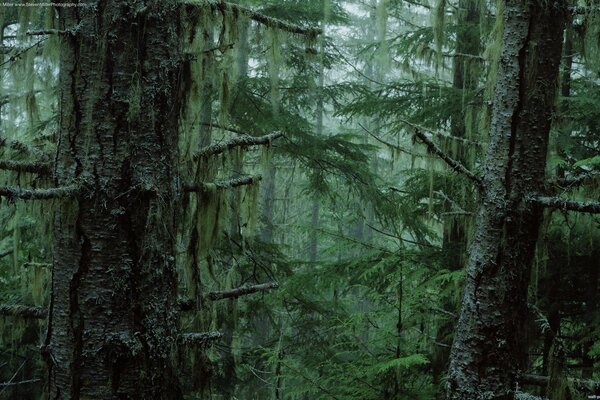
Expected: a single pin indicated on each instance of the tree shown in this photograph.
(113, 322)
(487, 354)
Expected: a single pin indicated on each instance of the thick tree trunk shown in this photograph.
(112, 331)
(487, 353)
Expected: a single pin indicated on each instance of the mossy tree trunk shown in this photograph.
(487, 353)
(112, 329)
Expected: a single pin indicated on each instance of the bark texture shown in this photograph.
(113, 320)
(487, 353)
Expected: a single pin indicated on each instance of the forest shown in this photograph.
(300, 199)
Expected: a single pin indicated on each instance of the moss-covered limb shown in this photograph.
(539, 380)
(225, 128)
(256, 16)
(455, 165)
(48, 32)
(239, 141)
(39, 194)
(568, 205)
(190, 304)
(31, 167)
(582, 10)
(6, 253)
(199, 339)
(221, 185)
(21, 147)
(32, 264)
(17, 310)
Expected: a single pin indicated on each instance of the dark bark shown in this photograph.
(487, 353)
(113, 327)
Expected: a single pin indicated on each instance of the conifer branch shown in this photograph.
(239, 141)
(221, 185)
(39, 194)
(568, 205)
(452, 163)
(17, 310)
(190, 304)
(18, 166)
(200, 339)
(271, 22)
(388, 144)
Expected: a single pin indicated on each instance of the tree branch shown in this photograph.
(576, 181)
(39, 194)
(242, 291)
(538, 380)
(199, 339)
(26, 382)
(568, 205)
(442, 135)
(190, 304)
(20, 147)
(18, 166)
(221, 185)
(455, 165)
(240, 141)
(256, 16)
(17, 310)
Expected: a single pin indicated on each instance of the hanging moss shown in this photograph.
(438, 24)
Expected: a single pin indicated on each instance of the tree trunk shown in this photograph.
(487, 353)
(112, 329)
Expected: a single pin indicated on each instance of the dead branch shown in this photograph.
(17, 310)
(452, 163)
(190, 304)
(39, 194)
(539, 380)
(239, 141)
(200, 339)
(441, 135)
(18, 166)
(26, 382)
(568, 205)
(242, 291)
(221, 185)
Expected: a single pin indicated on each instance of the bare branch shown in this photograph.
(200, 339)
(455, 165)
(39, 194)
(221, 185)
(568, 205)
(26, 382)
(239, 141)
(242, 291)
(256, 16)
(388, 144)
(18, 166)
(190, 304)
(17, 310)
(32, 264)
(538, 380)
